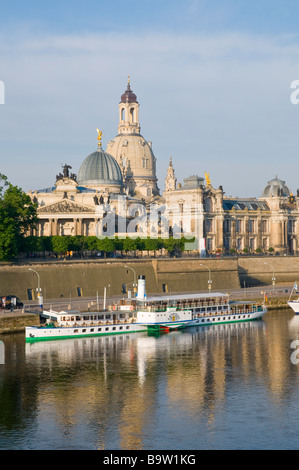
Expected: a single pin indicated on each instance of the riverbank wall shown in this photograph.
(87, 278)
(69, 279)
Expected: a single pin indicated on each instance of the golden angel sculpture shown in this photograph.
(208, 181)
(100, 134)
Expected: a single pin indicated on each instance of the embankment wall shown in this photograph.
(69, 279)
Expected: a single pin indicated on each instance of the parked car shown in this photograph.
(10, 301)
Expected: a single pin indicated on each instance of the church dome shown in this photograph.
(100, 168)
(276, 187)
(128, 96)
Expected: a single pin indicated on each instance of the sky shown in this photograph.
(213, 79)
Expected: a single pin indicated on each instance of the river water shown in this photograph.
(230, 386)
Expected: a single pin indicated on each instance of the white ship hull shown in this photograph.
(37, 333)
(294, 304)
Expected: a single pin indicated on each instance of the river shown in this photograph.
(233, 386)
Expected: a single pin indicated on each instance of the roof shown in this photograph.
(100, 168)
(243, 204)
(183, 297)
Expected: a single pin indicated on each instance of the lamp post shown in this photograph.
(39, 291)
(135, 276)
(273, 275)
(210, 280)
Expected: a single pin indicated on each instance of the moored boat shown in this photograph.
(152, 314)
(294, 304)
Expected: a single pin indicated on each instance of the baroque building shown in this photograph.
(116, 193)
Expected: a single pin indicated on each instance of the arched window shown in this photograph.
(122, 115)
(208, 206)
(132, 114)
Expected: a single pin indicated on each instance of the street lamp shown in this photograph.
(210, 280)
(39, 291)
(135, 276)
(273, 275)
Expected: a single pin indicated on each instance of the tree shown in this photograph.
(60, 244)
(129, 244)
(106, 244)
(17, 216)
(173, 246)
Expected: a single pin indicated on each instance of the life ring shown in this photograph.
(114, 307)
(131, 307)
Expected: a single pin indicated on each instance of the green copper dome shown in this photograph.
(100, 168)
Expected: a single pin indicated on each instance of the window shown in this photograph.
(227, 225)
(208, 207)
(264, 226)
(208, 225)
(30, 294)
(145, 162)
(79, 291)
(238, 225)
(132, 114)
(251, 225)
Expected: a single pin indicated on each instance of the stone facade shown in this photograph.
(117, 194)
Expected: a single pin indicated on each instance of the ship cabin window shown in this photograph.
(108, 317)
(85, 317)
(78, 318)
(76, 331)
(101, 317)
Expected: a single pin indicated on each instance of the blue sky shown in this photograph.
(212, 79)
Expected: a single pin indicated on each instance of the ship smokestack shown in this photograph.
(141, 294)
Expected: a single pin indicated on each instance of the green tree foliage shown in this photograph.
(17, 216)
(107, 245)
(60, 244)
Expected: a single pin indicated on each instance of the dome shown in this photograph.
(100, 168)
(128, 96)
(276, 187)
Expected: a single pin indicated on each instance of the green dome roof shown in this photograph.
(100, 168)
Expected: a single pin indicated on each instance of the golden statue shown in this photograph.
(208, 181)
(100, 134)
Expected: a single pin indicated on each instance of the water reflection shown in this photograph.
(185, 390)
